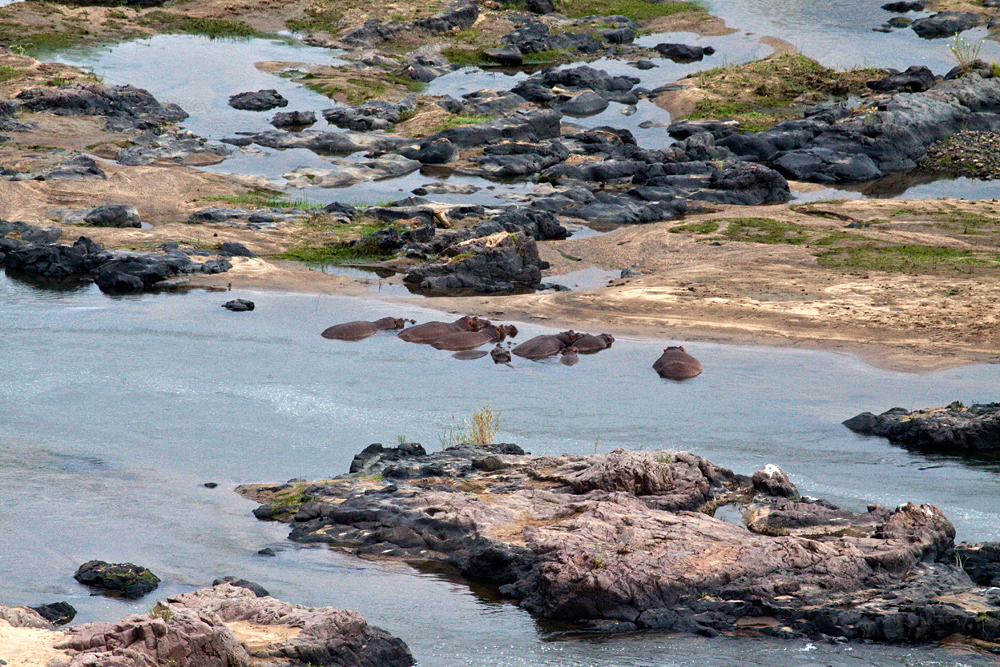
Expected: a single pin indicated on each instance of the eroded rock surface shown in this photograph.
(625, 541)
(952, 429)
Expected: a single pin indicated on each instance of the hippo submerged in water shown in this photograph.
(591, 344)
(542, 347)
(569, 357)
(467, 340)
(500, 355)
(353, 331)
(428, 332)
(676, 364)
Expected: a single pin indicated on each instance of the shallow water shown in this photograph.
(117, 410)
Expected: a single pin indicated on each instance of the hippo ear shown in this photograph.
(680, 347)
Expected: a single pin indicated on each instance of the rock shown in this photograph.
(539, 6)
(826, 166)
(644, 64)
(505, 55)
(134, 273)
(977, 66)
(214, 266)
(210, 485)
(56, 613)
(177, 148)
(915, 79)
(375, 453)
(373, 32)
(127, 579)
(113, 215)
(980, 561)
(260, 100)
(904, 6)
(587, 103)
(368, 116)
(293, 119)
(349, 172)
(487, 102)
(41, 235)
(531, 127)
(256, 589)
(81, 167)
(430, 151)
(56, 261)
(945, 24)
(533, 36)
(267, 551)
(494, 263)
(193, 630)
(517, 159)
(459, 15)
(771, 481)
(125, 107)
(239, 305)
(954, 429)
(621, 540)
(234, 249)
(683, 52)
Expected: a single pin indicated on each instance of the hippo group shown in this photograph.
(571, 342)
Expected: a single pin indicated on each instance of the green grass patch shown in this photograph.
(261, 200)
(705, 227)
(764, 230)
(457, 120)
(906, 259)
(22, 39)
(214, 28)
(335, 253)
(637, 10)
(8, 73)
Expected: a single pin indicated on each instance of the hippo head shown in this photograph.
(574, 336)
(607, 338)
(674, 347)
(509, 329)
(387, 323)
(570, 350)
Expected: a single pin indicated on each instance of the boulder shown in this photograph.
(125, 107)
(945, 24)
(260, 100)
(904, 6)
(683, 52)
(587, 103)
(256, 589)
(125, 579)
(239, 305)
(771, 481)
(494, 263)
(916, 79)
(113, 215)
(56, 613)
(293, 119)
(826, 166)
(459, 15)
(505, 55)
(234, 249)
(371, 115)
(79, 168)
(954, 429)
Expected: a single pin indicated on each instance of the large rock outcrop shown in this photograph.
(627, 540)
(954, 429)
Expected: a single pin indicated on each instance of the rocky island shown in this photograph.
(627, 541)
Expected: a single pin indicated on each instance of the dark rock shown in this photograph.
(210, 485)
(826, 166)
(127, 579)
(367, 116)
(267, 551)
(683, 52)
(945, 24)
(539, 6)
(980, 561)
(214, 266)
(980, 67)
(682, 129)
(587, 103)
(340, 209)
(458, 15)
(260, 100)
(645, 64)
(430, 151)
(56, 261)
(113, 215)
(915, 79)
(954, 429)
(497, 263)
(624, 35)
(505, 55)
(256, 589)
(533, 36)
(134, 273)
(904, 6)
(81, 167)
(234, 249)
(293, 119)
(56, 613)
(375, 453)
(490, 102)
(771, 481)
(239, 305)
(528, 127)
(374, 32)
(126, 107)
(41, 235)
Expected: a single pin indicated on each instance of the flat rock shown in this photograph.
(954, 429)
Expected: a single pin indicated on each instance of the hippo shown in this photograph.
(541, 347)
(428, 332)
(467, 355)
(467, 340)
(500, 355)
(676, 364)
(590, 344)
(353, 331)
(569, 357)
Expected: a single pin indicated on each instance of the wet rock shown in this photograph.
(56, 613)
(259, 100)
(644, 64)
(719, 129)
(904, 6)
(127, 579)
(945, 24)
(505, 55)
(518, 159)
(134, 273)
(267, 551)
(235, 249)
(954, 429)
(683, 52)
(125, 107)
(254, 588)
(371, 115)
(533, 36)
(618, 540)
(293, 119)
(915, 79)
(491, 102)
(56, 262)
(239, 305)
(320, 141)
(113, 215)
(430, 151)
(587, 103)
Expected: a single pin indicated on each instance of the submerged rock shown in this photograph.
(683, 52)
(954, 429)
(625, 541)
(239, 305)
(127, 579)
(260, 100)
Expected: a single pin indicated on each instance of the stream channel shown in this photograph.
(116, 411)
